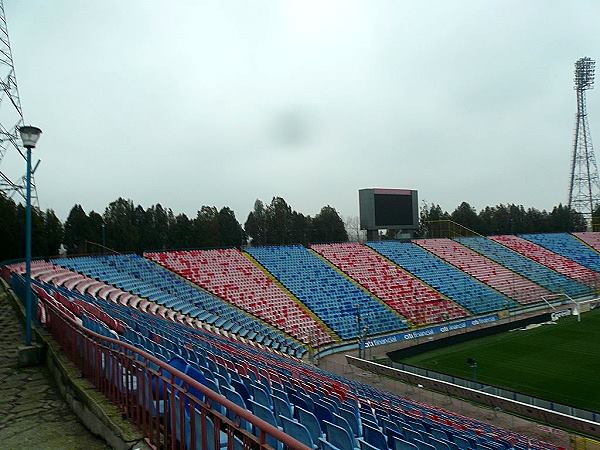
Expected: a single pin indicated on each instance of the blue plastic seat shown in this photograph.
(374, 437)
(338, 436)
(267, 415)
(297, 431)
(352, 420)
(282, 408)
(401, 444)
(364, 445)
(310, 421)
(422, 445)
(326, 445)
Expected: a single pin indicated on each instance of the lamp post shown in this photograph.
(29, 136)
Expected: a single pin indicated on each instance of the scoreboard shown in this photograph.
(388, 209)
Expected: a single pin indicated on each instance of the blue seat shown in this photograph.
(411, 434)
(282, 408)
(438, 444)
(323, 413)
(462, 443)
(267, 415)
(401, 444)
(352, 420)
(310, 421)
(236, 398)
(260, 395)
(374, 437)
(364, 445)
(297, 431)
(325, 445)
(338, 436)
(422, 445)
(241, 389)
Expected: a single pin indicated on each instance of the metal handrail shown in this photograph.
(118, 352)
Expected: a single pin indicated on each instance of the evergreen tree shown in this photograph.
(328, 226)
(76, 230)
(230, 231)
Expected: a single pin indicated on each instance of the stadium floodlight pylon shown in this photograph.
(584, 186)
(11, 119)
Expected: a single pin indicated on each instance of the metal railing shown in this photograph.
(160, 400)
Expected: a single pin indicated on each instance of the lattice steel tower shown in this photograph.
(12, 158)
(584, 188)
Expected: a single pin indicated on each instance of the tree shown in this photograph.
(54, 232)
(180, 232)
(562, 218)
(231, 232)
(465, 215)
(96, 233)
(300, 228)
(76, 230)
(278, 222)
(328, 226)
(122, 233)
(206, 232)
(9, 233)
(256, 224)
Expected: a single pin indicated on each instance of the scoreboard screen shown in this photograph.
(388, 208)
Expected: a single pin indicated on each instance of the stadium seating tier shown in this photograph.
(330, 295)
(485, 270)
(548, 258)
(568, 246)
(450, 281)
(230, 275)
(536, 272)
(418, 302)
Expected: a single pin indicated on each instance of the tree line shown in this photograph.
(127, 227)
(505, 219)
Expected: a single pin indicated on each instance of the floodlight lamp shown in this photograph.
(584, 73)
(29, 135)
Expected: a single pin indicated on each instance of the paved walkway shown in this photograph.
(32, 413)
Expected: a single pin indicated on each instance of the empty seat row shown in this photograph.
(146, 279)
(452, 282)
(484, 269)
(331, 296)
(568, 246)
(230, 275)
(554, 261)
(536, 272)
(415, 300)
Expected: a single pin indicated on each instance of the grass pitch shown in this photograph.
(560, 363)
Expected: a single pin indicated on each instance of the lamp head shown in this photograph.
(29, 135)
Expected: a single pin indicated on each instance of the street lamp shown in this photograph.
(29, 136)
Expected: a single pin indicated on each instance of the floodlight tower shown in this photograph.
(584, 187)
(11, 119)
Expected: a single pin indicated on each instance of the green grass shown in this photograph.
(560, 363)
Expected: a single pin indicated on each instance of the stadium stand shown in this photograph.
(330, 295)
(417, 301)
(485, 270)
(536, 272)
(230, 275)
(321, 409)
(146, 279)
(548, 258)
(568, 246)
(591, 238)
(450, 281)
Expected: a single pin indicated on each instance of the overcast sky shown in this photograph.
(189, 103)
